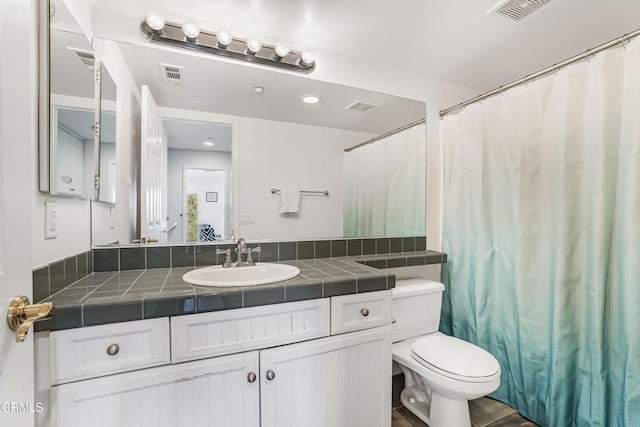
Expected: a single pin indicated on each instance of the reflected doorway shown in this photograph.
(204, 212)
(199, 179)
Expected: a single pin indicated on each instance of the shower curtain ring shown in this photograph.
(624, 41)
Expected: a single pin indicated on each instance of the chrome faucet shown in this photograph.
(241, 250)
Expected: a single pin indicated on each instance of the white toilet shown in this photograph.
(441, 373)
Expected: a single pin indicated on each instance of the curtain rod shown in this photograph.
(71, 132)
(547, 70)
(384, 135)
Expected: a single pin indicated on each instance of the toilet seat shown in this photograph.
(455, 358)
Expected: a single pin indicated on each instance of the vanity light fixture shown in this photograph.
(224, 38)
(253, 46)
(310, 98)
(282, 50)
(307, 57)
(154, 21)
(191, 30)
(190, 36)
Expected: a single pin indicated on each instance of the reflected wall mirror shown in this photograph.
(67, 149)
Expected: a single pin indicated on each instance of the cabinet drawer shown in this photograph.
(198, 336)
(360, 311)
(100, 350)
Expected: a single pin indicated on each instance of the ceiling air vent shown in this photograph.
(360, 106)
(87, 57)
(172, 74)
(517, 9)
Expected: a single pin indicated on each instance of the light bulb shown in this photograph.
(307, 57)
(155, 21)
(224, 38)
(282, 50)
(310, 98)
(191, 29)
(253, 46)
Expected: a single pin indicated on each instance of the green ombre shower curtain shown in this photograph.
(542, 228)
(384, 188)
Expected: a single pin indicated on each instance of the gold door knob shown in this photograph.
(22, 314)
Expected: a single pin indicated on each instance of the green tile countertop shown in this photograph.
(118, 296)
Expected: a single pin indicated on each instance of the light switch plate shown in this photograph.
(50, 220)
(247, 218)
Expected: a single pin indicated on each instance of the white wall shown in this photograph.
(290, 155)
(73, 216)
(177, 161)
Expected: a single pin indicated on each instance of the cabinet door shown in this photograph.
(213, 392)
(340, 381)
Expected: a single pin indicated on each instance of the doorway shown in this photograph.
(204, 204)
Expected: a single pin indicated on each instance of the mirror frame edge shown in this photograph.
(44, 98)
(45, 171)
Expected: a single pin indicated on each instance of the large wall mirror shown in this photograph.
(67, 149)
(228, 149)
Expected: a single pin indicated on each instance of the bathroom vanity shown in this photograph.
(141, 347)
(318, 362)
(322, 361)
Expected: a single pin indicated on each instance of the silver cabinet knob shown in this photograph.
(113, 349)
(270, 375)
(252, 377)
(364, 312)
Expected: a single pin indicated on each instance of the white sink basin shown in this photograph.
(259, 274)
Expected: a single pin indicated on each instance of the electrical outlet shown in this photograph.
(50, 220)
(247, 218)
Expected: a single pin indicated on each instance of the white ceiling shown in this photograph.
(69, 76)
(191, 135)
(227, 88)
(453, 40)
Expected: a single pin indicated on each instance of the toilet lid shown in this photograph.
(455, 358)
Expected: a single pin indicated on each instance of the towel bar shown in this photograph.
(325, 192)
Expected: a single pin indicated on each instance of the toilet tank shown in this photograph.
(415, 308)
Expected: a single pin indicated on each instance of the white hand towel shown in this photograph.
(289, 201)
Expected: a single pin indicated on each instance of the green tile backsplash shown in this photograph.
(52, 278)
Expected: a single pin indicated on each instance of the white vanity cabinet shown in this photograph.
(340, 381)
(212, 392)
(269, 366)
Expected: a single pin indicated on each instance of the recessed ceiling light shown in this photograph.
(258, 89)
(209, 143)
(310, 98)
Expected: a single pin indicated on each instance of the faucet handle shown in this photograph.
(227, 260)
(249, 252)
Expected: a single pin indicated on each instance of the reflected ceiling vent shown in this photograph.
(360, 106)
(172, 74)
(517, 9)
(87, 57)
